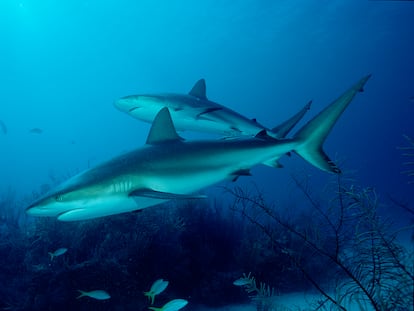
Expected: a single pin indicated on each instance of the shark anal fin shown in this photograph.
(199, 89)
(153, 194)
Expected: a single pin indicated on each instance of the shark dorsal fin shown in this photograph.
(162, 129)
(199, 89)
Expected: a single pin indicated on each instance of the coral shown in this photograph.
(263, 296)
(346, 234)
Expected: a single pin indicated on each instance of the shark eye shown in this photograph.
(59, 198)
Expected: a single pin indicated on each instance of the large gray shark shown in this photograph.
(168, 168)
(193, 111)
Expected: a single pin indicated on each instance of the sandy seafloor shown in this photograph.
(292, 301)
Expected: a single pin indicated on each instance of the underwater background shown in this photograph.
(63, 63)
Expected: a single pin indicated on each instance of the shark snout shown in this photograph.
(127, 103)
(46, 206)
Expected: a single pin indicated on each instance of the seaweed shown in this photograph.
(263, 295)
(347, 234)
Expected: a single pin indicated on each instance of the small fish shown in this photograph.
(95, 294)
(3, 127)
(242, 282)
(36, 130)
(173, 305)
(58, 252)
(157, 287)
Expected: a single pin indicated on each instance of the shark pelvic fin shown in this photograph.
(273, 163)
(199, 89)
(149, 193)
(312, 136)
(207, 111)
(162, 129)
(264, 135)
(242, 172)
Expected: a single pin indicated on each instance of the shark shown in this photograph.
(195, 112)
(169, 168)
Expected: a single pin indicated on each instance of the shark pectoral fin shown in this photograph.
(199, 89)
(235, 129)
(206, 111)
(153, 194)
(242, 172)
(72, 215)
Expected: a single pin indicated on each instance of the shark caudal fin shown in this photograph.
(283, 129)
(312, 135)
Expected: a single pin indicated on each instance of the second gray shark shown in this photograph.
(194, 111)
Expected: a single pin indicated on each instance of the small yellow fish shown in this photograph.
(242, 282)
(157, 287)
(58, 252)
(95, 294)
(173, 305)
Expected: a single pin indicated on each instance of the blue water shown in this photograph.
(63, 63)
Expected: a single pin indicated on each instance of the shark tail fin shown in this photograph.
(283, 129)
(82, 294)
(311, 136)
(150, 295)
